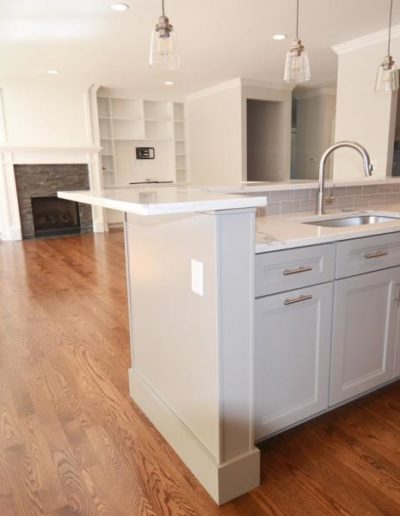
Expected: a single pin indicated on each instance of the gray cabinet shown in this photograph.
(364, 333)
(320, 345)
(292, 348)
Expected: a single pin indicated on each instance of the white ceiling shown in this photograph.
(219, 39)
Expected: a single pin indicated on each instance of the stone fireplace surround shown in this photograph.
(45, 180)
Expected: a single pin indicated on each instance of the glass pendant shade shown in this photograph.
(387, 78)
(164, 51)
(297, 65)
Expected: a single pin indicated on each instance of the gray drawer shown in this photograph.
(367, 254)
(279, 271)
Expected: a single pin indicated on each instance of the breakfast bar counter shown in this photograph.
(190, 274)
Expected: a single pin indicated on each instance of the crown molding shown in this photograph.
(238, 83)
(227, 85)
(366, 41)
(257, 83)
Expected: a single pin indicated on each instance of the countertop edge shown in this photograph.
(164, 208)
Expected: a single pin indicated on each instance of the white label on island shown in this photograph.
(197, 277)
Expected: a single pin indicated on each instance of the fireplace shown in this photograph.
(54, 216)
(42, 213)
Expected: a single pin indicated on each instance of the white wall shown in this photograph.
(314, 131)
(217, 130)
(214, 119)
(362, 114)
(45, 113)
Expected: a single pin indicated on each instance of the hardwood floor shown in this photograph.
(73, 442)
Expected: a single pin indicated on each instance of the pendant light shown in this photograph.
(297, 66)
(387, 78)
(164, 52)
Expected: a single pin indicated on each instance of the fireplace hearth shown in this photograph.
(53, 216)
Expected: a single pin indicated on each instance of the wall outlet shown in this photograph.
(197, 277)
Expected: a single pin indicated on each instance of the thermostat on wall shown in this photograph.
(145, 153)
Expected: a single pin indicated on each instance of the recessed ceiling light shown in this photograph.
(120, 7)
(53, 72)
(279, 37)
(168, 83)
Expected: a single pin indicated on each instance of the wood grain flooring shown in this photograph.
(73, 443)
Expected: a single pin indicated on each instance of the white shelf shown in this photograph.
(158, 120)
(126, 123)
(129, 118)
(143, 140)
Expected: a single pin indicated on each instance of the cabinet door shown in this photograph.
(364, 333)
(292, 349)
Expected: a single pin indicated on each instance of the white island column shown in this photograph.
(191, 299)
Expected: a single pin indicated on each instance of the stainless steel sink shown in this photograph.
(359, 220)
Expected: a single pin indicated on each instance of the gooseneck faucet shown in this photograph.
(352, 145)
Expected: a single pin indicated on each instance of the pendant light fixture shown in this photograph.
(297, 66)
(164, 52)
(387, 78)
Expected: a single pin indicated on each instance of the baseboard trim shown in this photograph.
(222, 481)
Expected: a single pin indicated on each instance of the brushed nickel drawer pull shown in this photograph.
(301, 268)
(293, 300)
(376, 254)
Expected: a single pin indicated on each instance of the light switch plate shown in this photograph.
(197, 277)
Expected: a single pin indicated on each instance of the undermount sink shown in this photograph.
(358, 220)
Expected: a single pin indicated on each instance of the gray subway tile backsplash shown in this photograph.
(350, 197)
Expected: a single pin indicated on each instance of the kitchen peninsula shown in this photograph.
(190, 271)
(235, 332)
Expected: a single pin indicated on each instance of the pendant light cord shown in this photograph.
(390, 25)
(297, 20)
(162, 7)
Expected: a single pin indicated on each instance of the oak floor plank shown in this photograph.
(7, 501)
(72, 442)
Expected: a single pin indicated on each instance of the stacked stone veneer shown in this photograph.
(344, 197)
(45, 181)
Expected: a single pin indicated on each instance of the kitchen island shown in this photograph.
(240, 327)
(190, 273)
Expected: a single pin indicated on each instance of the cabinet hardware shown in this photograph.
(376, 254)
(304, 268)
(293, 300)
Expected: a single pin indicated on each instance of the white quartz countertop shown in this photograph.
(253, 187)
(160, 200)
(278, 232)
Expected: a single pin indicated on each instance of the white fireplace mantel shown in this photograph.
(11, 155)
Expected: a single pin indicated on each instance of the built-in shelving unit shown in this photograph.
(127, 123)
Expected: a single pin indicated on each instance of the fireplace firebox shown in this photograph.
(54, 216)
